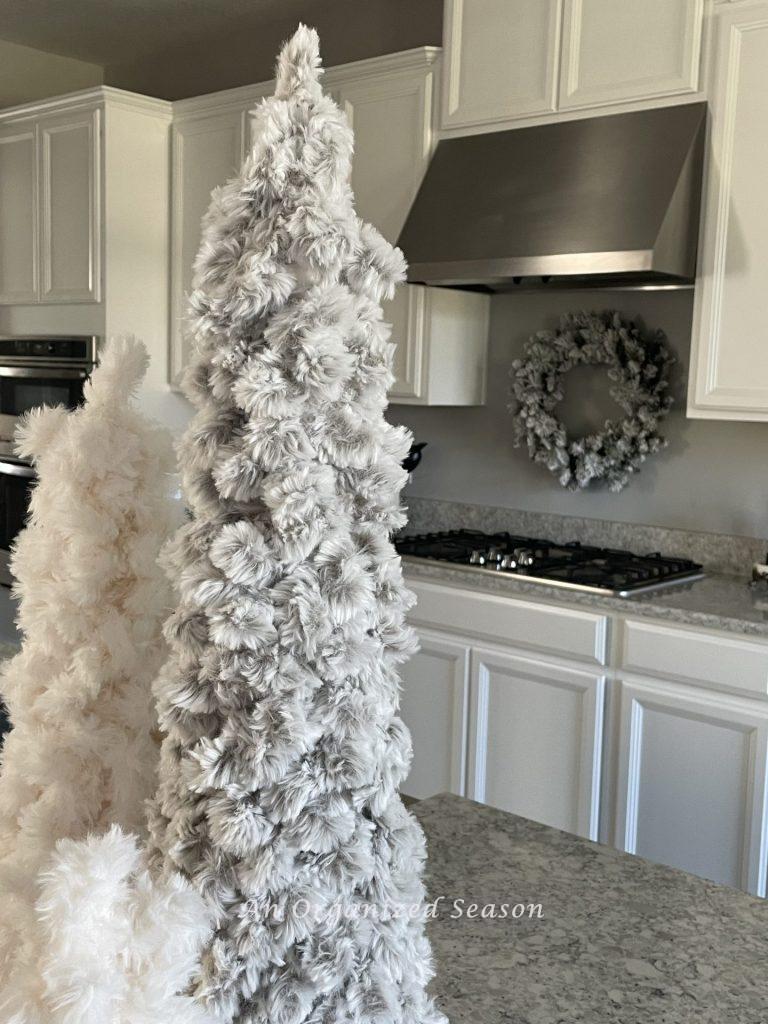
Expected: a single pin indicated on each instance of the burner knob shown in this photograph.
(477, 558)
(524, 556)
(508, 562)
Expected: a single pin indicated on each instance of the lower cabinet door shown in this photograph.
(536, 736)
(434, 706)
(692, 781)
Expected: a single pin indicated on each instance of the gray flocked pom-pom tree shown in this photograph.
(279, 776)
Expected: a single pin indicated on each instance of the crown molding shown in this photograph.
(244, 95)
(99, 96)
(137, 102)
(219, 102)
(404, 60)
(417, 59)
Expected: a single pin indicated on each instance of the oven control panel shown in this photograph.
(80, 348)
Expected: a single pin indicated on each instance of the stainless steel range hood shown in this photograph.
(604, 201)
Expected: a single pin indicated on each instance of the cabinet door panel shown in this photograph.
(406, 313)
(207, 151)
(70, 207)
(692, 781)
(391, 117)
(729, 362)
(434, 707)
(536, 740)
(676, 654)
(551, 630)
(619, 50)
(18, 215)
(501, 60)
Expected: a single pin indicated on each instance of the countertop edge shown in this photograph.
(676, 604)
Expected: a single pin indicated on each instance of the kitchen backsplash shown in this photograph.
(712, 478)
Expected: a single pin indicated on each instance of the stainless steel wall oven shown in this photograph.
(34, 371)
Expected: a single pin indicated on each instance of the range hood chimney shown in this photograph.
(604, 201)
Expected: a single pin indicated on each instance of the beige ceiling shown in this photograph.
(115, 31)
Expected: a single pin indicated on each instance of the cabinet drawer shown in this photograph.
(691, 657)
(560, 631)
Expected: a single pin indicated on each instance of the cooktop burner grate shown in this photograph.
(574, 565)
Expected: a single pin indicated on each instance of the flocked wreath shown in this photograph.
(639, 371)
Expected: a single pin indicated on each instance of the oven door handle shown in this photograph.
(17, 469)
(47, 373)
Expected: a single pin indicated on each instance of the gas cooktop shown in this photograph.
(575, 566)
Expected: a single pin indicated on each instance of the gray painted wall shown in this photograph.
(713, 476)
(27, 74)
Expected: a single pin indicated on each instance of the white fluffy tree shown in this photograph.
(84, 932)
(284, 752)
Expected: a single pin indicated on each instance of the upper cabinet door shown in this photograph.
(391, 117)
(207, 151)
(619, 50)
(18, 215)
(70, 206)
(500, 60)
(407, 315)
(729, 357)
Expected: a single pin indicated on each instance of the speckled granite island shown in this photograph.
(620, 939)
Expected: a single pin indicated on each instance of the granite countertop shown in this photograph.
(620, 940)
(715, 602)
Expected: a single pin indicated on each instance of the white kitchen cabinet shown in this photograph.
(500, 60)
(390, 101)
(628, 50)
(389, 104)
(533, 734)
(441, 346)
(88, 192)
(70, 205)
(536, 738)
(18, 214)
(206, 151)
(575, 634)
(434, 706)
(512, 62)
(51, 202)
(440, 336)
(692, 781)
(391, 112)
(731, 664)
(729, 359)
(84, 190)
(648, 734)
